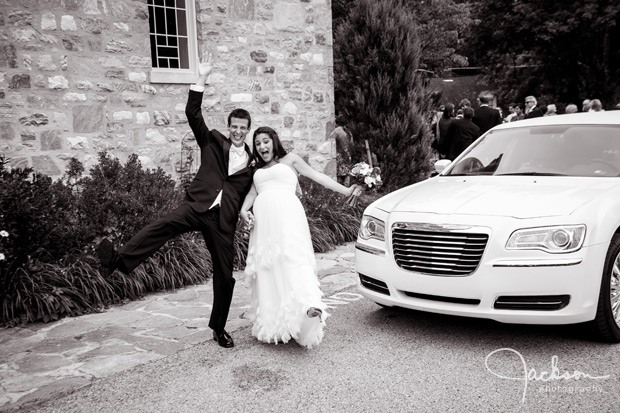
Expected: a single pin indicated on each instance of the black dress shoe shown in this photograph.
(107, 257)
(223, 339)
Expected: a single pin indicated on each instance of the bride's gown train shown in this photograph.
(280, 266)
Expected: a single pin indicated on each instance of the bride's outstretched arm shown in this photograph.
(306, 170)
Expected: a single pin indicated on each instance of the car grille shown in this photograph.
(437, 251)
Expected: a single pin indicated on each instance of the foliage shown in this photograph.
(561, 51)
(380, 89)
(331, 221)
(441, 25)
(48, 232)
(122, 199)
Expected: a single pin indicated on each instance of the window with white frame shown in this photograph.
(172, 29)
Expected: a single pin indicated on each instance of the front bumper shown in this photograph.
(526, 287)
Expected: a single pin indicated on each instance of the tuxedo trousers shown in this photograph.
(219, 243)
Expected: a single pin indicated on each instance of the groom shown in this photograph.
(212, 203)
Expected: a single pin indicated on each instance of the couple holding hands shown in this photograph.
(260, 186)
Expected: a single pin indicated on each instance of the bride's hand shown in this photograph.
(356, 190)
(248, 218)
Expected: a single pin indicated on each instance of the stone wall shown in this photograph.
(75, 80)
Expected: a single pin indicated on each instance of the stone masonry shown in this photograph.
(75, 80)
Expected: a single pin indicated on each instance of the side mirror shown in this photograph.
(442, 164)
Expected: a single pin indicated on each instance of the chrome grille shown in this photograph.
(437, 251)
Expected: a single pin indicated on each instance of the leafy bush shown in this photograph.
(331, 221)
(49, 231)
(380, 87)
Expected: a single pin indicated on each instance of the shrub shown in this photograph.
(49, 230)
(380, 89)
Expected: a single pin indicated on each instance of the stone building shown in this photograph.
(78, 77)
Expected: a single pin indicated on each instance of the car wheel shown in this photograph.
(606, 325)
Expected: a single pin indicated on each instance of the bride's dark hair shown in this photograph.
(278, 149)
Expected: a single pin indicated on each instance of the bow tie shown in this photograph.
(237, 150)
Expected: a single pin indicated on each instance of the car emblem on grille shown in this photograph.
(430, 227)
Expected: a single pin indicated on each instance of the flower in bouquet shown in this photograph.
(366, 176)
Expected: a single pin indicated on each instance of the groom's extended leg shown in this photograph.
(150, 238)
(221, 245)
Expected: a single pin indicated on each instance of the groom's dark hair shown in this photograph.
(278, 149)
(240, 114)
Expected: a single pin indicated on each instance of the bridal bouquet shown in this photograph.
(366, 176)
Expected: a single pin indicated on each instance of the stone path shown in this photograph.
(43, 361)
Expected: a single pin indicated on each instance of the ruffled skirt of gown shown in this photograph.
(281, 271)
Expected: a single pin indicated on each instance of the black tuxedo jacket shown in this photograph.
(485, 117)
(536, 112)
(461, 133)
(212, 176)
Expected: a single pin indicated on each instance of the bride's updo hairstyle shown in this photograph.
(278, 149)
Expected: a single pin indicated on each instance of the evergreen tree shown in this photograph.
(380, 89)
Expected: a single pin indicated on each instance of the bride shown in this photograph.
(286, 298)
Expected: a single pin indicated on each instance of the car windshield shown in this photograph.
(561, 150)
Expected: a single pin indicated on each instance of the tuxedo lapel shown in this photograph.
(226, 154)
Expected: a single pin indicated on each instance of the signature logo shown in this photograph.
(528, 375)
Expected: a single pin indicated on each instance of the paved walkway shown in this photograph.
(43, 361)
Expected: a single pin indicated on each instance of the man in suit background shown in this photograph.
(531, 110)
(461, 133)
(211, 206)
(486, 117)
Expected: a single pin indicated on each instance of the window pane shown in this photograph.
(181, 23)
(153, 52)
(159, 2)
(171, 21)
(181, 4)
(161, 41)
(169, 3)
(163, 63)
(151, 20)
(149, 2)
(172, 41)
(183, 52)
(174, 63)
(160, 20)
(167, 52)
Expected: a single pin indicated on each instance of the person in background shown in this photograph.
(571, 108)
(596, 106)
(552, 110)
(585, 105)
(531, 111)
(518, 113)
(511, 113)
(344, 147)
(461, 133)
(486, 117)
(440, 129)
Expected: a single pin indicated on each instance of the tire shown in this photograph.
(606, 325)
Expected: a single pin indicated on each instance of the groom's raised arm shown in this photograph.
(193, 109)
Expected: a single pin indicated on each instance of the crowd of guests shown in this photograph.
(455, 128)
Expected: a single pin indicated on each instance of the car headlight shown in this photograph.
(372, 228)
(557, 239)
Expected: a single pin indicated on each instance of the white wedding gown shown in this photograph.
(281, 267)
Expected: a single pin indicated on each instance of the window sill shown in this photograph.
(180, 76)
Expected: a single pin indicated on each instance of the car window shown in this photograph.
(566, 150)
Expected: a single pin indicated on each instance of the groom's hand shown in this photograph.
(206, 66)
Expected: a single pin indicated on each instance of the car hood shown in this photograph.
(518, 196)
